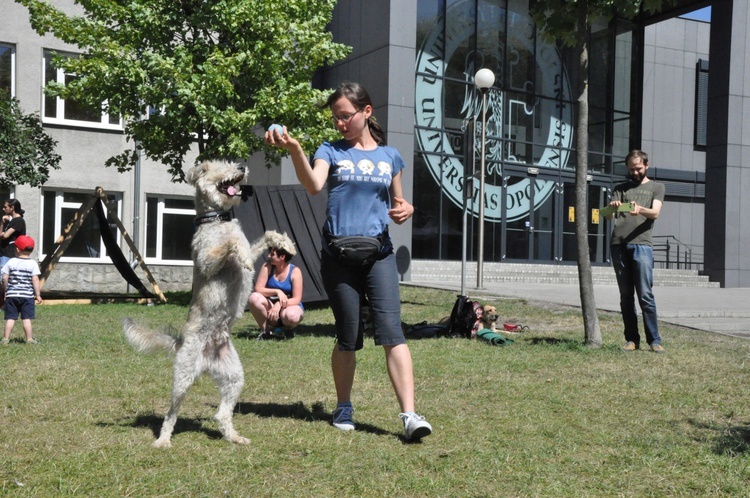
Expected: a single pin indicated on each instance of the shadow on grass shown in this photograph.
(251, 331)
(154, 422)
(296, 411)
(299, 411)
(554, 341)
(730, 440)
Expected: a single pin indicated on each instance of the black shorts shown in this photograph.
(23, 306)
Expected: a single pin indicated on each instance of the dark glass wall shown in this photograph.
(529, 154)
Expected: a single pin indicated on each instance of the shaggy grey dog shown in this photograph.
(223, 263)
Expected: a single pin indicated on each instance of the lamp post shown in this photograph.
(484, 79)
(469, 158)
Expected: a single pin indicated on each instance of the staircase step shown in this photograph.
(440, 271)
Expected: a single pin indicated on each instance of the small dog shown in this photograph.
(489, 317)
(223, 268)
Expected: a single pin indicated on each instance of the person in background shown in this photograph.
(363, 177)
(13, 225)
(21, 281)
(276, 303)
(632, 250)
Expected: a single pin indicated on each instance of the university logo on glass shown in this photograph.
(544, 124)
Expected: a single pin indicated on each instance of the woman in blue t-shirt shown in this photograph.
(363, 177)
(276, 303)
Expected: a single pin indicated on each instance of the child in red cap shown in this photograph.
(21, 284)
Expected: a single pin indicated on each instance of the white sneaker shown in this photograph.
(415, 426)
(343, 418)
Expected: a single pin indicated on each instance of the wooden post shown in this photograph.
(64, 240)
(100, 193)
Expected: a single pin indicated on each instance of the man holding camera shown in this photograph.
(637, 204)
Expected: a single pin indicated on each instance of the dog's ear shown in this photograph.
(195, 172)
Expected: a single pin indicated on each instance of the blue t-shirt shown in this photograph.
(358, 187)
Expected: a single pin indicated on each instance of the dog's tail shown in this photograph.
(147, 340)
(272, 239)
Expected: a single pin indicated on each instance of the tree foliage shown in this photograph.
(560, 20)
(27, 153)
(189, 72)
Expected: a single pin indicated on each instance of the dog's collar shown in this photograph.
(212, 216)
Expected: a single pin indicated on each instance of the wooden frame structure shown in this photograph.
(65, 238)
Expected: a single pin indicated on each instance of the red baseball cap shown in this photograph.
(24, 243)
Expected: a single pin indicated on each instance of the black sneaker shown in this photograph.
(265, 336)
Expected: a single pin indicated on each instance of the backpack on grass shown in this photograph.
(465, 319)
(426, 330)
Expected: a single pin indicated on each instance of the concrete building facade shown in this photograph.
(418, 60)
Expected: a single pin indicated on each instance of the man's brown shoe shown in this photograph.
(658, 349)
(629, 346)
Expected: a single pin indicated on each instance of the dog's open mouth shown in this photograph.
(229, 187)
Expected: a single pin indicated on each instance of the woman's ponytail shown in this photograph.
(376, 131)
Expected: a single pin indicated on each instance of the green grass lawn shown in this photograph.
(544, 416)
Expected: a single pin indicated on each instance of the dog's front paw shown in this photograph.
(162, 443)
(249, 265)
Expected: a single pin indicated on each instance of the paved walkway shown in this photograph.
(724, 311)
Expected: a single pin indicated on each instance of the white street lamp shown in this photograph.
(484, 79)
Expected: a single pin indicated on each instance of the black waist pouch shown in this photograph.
(356, 250)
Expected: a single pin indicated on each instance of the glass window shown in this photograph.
(460, 40)
(7, 68)
(520, 64)
(169, 229)
(624, 76)
(59, 208)
(530, 120)
(491, 36)
(701, 103)
(60, 111)
(429, 14)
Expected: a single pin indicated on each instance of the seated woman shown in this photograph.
(276, 303)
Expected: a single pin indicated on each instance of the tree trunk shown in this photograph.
(591, 328)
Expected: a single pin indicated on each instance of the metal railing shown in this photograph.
(676, 254)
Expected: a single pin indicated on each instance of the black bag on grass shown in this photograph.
(426, 330)
(465, 318)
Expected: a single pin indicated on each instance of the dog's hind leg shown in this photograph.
(229, 376)
(187, 367)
